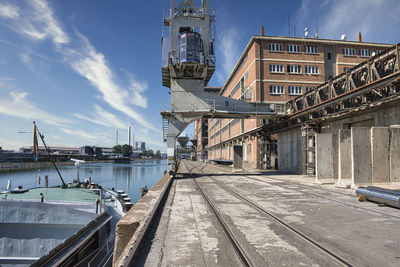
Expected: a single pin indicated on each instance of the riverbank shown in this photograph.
(18, 166)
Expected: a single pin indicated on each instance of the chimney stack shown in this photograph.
(359, 37)
(262, 30)
(129, 135)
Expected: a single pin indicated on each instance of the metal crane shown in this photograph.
(188, 63)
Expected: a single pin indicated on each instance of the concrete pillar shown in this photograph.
(237, 157)
(395, 154)
(304, 150)
(326, 151)
(344, 158)
(380, 142)
(282, 152)
(360, 156)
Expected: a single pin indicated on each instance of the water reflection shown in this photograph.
(127, 177)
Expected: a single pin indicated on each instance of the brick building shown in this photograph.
(274, 70)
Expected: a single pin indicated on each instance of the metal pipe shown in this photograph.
(380, 196)
(383, 190)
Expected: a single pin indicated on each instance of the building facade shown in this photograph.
(140, 146)
(276, 70)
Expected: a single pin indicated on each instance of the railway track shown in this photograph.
(318, 195)
(238, 247)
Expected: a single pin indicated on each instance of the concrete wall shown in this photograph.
(395, 154)
(344, 157)
(361, 156)
(289, 151)
(326, 154)
(131, 228)
(380, 143)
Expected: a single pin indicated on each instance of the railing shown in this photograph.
(376, 68)
(189, 106)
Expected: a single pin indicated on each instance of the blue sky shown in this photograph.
(83, 68)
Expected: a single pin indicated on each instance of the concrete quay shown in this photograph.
(272, 218)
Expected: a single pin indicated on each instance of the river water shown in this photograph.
(128, 177)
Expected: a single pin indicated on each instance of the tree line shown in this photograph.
(126, 151)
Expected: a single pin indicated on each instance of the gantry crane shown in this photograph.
(188, 63)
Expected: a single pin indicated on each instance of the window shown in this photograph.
(349, 52)
(246, 75)
(275, 68)
(293, 48)
(294, 68)
(248, 148)
(276, 89)
(346, 69)
(233, 92)
(309, 88)
(275, 47)
(365, 53)
(377, 52)
(311, 49)
(311, 69)
(248, 94)
(294, 90)
(329, 56)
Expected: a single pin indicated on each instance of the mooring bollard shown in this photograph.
(143, 191)
(97, 205)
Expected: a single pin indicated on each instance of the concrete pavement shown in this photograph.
(188, 233)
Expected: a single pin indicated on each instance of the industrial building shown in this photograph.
(275, 70)
(140, 146)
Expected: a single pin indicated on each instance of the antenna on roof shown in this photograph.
(306, 32)
(294, 29)
(343, 37)
(316, 34)
(288, 17)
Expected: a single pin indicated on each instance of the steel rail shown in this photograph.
(285, 225)
(238, 249)
(316, 195)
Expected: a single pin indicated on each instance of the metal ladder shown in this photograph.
(165, 128)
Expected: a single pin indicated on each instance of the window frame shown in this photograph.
(275, 89)
(363, 52)
(291, 69)
(295, 90)
(276, 67)
(272, 47)
(311, 51)
(309, 88)
(291, 50)
(346, 51)
(314, 70)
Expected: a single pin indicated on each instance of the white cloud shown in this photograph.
(8, 11)
(228, 53)
(25, 58)
(18, 106)
(102, 117)
(39, 23)
(137, 88)
(92, 65)
(80, 134)
(11, 144)
(378, 20)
